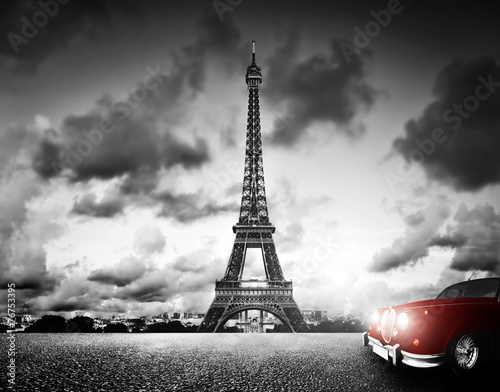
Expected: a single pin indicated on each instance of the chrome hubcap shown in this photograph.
(466, 352)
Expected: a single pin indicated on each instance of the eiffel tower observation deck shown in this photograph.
(233, 295)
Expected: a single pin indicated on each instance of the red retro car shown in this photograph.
(459, 328)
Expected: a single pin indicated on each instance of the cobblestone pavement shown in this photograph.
(217, 362)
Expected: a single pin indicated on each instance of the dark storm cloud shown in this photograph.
(151, 289)
(139, 136)
(218, 38)
(188, 207)
(106, 208)
(321, 89)
(147, 136)
(135, 145)
(115, 288)
(122, 274)
(414, 244)
(186, 274)
(74, 292)
(32, 30)
(190, 156)
(32, 281)
(155, 285)
(476, 239)
(46, 152)
(92, 301)
(214, 41)
(143, 181)
(465, 154)
(71, 305)
(447, 240)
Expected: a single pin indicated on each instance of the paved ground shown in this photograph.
(216, 362)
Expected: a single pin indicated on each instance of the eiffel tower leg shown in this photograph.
(211, 320)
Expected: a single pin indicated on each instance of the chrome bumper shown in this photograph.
(400, 356)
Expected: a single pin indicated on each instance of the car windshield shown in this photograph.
(471, 289)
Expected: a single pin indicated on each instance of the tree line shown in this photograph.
(337, 324)
(84, 324)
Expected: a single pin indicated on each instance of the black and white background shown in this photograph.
(122, 140)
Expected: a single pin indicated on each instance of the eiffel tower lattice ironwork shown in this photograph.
(253, 230)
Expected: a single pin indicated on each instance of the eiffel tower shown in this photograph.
(253, 230)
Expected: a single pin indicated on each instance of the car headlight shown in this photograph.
(403, 321)
(375, 318)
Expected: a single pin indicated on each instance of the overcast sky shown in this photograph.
(122, 149)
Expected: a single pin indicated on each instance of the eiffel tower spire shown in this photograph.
(253, 230)
(253, 202)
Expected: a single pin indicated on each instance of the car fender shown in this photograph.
(467, 327)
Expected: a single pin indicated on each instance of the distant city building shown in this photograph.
(24, 317)
(5, 320)
(313, 315)
(157, 320)
(192, 321)
(98, 323)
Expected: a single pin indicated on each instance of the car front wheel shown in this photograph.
(464, 355)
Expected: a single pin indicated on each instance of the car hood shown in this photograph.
(441, 302)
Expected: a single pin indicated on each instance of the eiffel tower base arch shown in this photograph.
(275, 300)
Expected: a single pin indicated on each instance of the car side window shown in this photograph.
(453, 293)
(472, 289)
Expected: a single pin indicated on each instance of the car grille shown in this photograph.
(387, 323)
